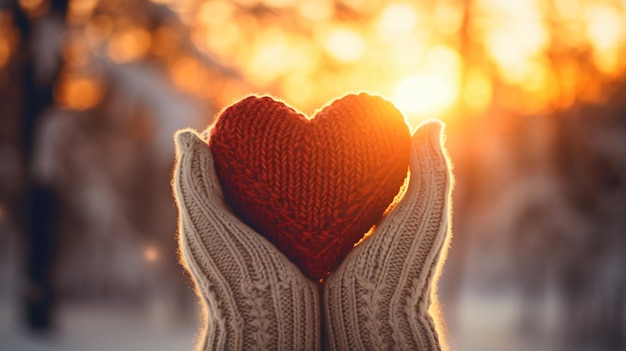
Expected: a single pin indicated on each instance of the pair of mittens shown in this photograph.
(255, 298)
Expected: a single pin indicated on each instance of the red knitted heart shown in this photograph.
(313, 187)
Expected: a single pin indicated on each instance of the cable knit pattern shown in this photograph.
(378, 298)
(254, 298)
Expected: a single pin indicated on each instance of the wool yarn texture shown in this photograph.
(313, 187)
(379, 297)
(253, 297)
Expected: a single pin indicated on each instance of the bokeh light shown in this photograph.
(129, 44)
(397, 19)
(425, 95)
(311, 51)
(345, 45)
(78, 92)
(5, 51)
(478, 90)
(34, 8)
(151, 254)
(526, 89)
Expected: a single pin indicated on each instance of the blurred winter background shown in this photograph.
(533, 94)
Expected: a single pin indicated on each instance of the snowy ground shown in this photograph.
(483, 320)
(95, 328)
(89, 326)
(490, 322)
(483, 323)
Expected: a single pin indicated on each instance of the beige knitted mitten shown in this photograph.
(254, 298)
(379, 297)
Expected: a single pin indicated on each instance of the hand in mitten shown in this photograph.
(379, 297)
(254, 298)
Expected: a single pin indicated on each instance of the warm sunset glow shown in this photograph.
(98, 97)
(275, 55)
(345, 45)
(608, 61)
(215, 12)
(309, 51)
(516, 38)
(514, 49)
(605, 27)
(278, 3)
(405, 50)
(189, 75)
(435, 87)
(151, 254)
(129, 45)
(425, 95)
(448, 17)
(477, 91)
(80, 10)
(5, 51)
(315, 10)
(223, 40)
(297, 89)
(34, 7)
(444, 61)
(397, 19)
(78, 93)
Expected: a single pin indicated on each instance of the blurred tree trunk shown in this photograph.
(39, 214)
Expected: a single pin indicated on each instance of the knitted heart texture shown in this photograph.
(312, 187)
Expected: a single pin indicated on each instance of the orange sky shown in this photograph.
(311, 51)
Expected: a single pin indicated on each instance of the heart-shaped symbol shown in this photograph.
(313, 187)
